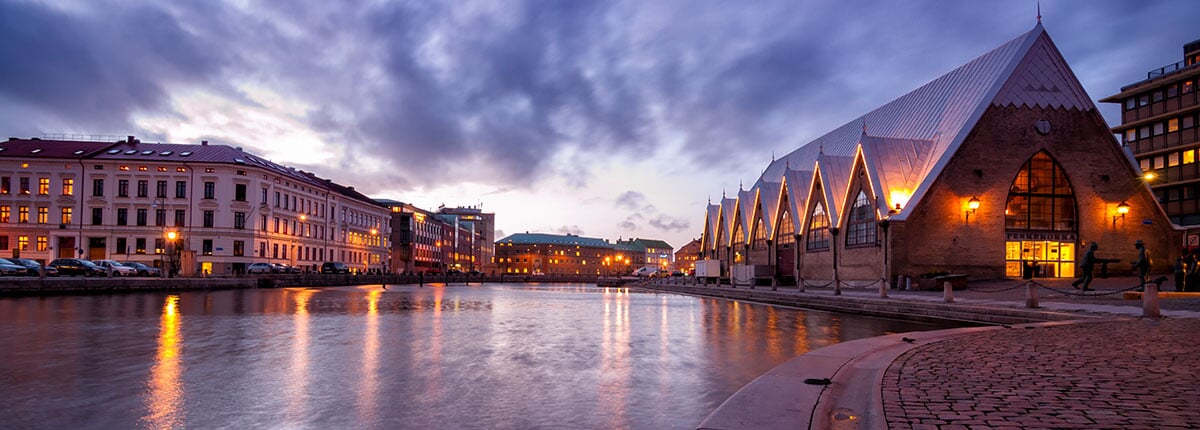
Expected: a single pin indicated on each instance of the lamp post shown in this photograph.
(171, 250)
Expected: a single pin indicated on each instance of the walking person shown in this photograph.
(1141, 265)
(1086, 264)
(1179, 270)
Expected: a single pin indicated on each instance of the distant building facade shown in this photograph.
(226, 208)
(645, 253)
(1161, 126)
(480, 255)
(686, 256)
(538, 253)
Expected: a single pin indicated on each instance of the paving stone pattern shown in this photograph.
(1130, 374)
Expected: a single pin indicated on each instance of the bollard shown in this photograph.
(948, 292)
(907, 283)
(1150, 301)
(883, 287)
(1031, 300)
(800, 284)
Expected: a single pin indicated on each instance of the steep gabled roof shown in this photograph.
(894, 166)
(768, 205)
(835, 177)
(1026, 71)
(746, 212)
(712, 219)
(728, 217)
(799, 183)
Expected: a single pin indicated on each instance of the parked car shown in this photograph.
(34, 266)
(334, 267)
(260, 268)
(9, 268)
(645, 272)
(677, 273)
(118, 269)
(78, 267)
(454, 272)
(283, 268)
(143, 269)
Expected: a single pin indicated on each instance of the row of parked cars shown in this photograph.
(76, 267)
(267, 268)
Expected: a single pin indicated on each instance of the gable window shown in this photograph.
(1041, 197)
(818, 229)
(860, 228)
(760, 235)
(787, 229)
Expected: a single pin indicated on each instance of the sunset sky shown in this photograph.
(606, 119)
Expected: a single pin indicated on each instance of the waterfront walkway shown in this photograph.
(1109, 368)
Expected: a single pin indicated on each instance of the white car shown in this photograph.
(263, 268)
(645, 271)
(117, 268)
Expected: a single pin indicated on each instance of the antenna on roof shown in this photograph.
(787, 164)
(1039, 10)
(772, 155)
(821, 147)
(722, 194)
(739, 184)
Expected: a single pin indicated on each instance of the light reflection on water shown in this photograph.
(492, 356)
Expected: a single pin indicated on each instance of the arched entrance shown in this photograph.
(1040, 221)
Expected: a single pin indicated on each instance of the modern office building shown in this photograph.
(1159, 118)
(481, 253)
(207, 208)
(1002, 167)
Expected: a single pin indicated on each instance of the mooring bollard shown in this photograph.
(1150, 301)
(907, 283)
(883, 287)
(948, 292)
(1031, 300)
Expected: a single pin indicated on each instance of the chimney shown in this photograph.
(129, 139)
(203, 143)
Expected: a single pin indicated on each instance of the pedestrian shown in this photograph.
(1086, 264)
(1191, 281)
(1179, 270)
(1141, 265)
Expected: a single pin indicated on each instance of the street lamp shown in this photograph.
(171, 235)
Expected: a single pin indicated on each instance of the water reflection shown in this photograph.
(490, 356)
(164, 402)
(298, 380)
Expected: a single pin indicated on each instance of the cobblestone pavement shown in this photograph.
(1127, 374)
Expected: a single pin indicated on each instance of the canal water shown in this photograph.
(490, 356)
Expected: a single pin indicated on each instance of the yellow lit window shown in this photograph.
(162, 169)
(43, 186)
(1189, 156)
(42, 243)
(43, 215)
(23, 243)
(66, 216)
(123, 168)
(1173, 125)
(68, 187)
(142, 168)
(23, 214)
(4, 213)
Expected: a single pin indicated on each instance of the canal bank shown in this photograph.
(1102, 366)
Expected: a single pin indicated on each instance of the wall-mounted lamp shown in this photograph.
(972, 206)
(1122, 209)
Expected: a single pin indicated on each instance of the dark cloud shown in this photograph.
(631, 200)
(668, 223)
(569, 229)
(94, 70)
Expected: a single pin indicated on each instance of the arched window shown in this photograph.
(760, 234)
(818, 229)
(1040, 198)
(786, 234)
(860, 228)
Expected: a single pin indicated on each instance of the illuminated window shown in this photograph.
(123, 168)
(5, 215)
(1189, 156)
(860, 228)
(181, 169)
(43, 215)
(1130, 135)
(1188, 86)
(1144, 164)
(23, 214)
(65, 216)
(5, 184)
(1173, 125)
(142, 168)
(1173, 159)
(162, 169)
(23, 243)
(818, 229)
(42, 243)
(43, 186)
(1041, 197)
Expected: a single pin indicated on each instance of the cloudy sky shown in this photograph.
(607, 119)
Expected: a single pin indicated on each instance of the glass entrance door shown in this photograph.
(1048, 259)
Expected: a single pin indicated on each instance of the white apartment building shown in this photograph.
(224, 207)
